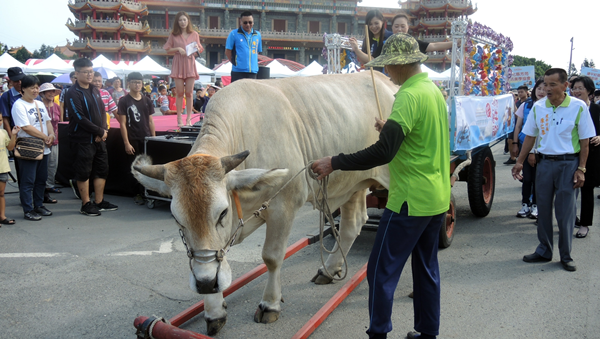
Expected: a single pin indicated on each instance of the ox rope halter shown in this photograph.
(208, 256)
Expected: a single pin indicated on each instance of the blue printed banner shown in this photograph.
(524, 75)
(592, 73)
(482, 120)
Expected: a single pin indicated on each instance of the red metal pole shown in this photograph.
(195, 309)
(324, 312)
(165, 331)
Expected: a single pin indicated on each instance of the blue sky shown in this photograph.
(539, 29)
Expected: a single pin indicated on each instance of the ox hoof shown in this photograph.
(265, 316)
(214, 326)
(322, 279)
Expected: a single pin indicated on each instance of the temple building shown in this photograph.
(432, 21)
(291, 29)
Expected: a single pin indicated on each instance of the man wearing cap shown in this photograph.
(562, 125)
(415, 144)
(15, 74)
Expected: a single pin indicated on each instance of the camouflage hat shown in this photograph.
(399, 49)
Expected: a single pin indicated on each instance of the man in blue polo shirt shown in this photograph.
(242, 48)
(15, 74)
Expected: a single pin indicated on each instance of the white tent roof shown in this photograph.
(447, 73)
(148, 66)
(313, 69)
(279, 71)
(7, 61)
(53, 64)
(223, 70)
(203, 70)
(433, 75)
(102, 61)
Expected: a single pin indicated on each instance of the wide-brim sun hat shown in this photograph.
(399, 49)
(48, 87)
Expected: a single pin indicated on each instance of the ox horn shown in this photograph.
(152, 171)
(232, 161)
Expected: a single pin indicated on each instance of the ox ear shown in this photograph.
(232, 161)
(255, 179)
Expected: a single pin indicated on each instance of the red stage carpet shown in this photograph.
(162, 123)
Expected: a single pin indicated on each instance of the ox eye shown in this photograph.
(223, 214)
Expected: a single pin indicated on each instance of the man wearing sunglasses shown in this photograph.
(242, 48)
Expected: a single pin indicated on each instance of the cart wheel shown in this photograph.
(150, 203)
(482, 182)
(448, 224)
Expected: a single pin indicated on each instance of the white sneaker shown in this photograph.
(534, 212)
(524, 212)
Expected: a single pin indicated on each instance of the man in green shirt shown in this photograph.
(415, 144)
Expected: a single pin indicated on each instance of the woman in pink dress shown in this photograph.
(183, 69)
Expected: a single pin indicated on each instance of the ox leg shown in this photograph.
(353, 217)
(273, 253)
(214, 312)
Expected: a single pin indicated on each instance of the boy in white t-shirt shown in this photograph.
(6, 144)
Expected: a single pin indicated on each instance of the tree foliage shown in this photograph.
(3, 48)
(572, 70)
(540, 66)
(589, 63)
(43, 52)
(22, 55)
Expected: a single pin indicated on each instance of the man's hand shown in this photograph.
(322, 167)
(379, 124)
(595, 141)
(531, 159)
(129, 149)
(49, 140)
(105, 135)
(516, 171)
(514, 150)
(578, 179)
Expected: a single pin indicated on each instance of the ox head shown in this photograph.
(200, 186)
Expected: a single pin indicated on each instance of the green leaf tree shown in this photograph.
(22, 55)
(3, 48)
(587, 63)
(572, 70)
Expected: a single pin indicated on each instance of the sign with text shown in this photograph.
(592, 73)
(524, 75)
(481, 120)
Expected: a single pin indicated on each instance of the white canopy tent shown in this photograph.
(447, 73)
(223, 70)
(148, 66)
(203, 70)
(278, 70)
(313, 69)
(102, 61)
(433, 75)
(7, 61)
(53, 64)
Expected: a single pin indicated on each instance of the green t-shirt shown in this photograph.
(420, 171)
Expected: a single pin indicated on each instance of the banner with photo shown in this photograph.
(592, 73)
(524, 75)
(481, 120)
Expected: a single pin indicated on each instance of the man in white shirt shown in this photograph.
(563, 126)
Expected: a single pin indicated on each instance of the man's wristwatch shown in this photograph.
(581, 169)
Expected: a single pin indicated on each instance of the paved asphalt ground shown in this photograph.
(71, 276)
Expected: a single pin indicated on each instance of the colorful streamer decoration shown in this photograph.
(486, 65)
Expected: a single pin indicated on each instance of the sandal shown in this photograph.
(53, 190)
(7, 222)
(581, 235)
(49, 200)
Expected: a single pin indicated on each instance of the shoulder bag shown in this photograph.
(31, 148)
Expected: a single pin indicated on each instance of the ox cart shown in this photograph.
(480, 112)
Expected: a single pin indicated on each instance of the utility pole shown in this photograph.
(570, 58)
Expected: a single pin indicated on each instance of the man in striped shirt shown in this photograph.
(109, 104)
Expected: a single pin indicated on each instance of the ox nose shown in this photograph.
(207, 287)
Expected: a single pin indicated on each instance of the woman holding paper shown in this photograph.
(184, 43)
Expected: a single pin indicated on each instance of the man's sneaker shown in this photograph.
(510, 162)
(534, 212)
(524, 212)
(75, 188)
(106, 206)
(90, 209)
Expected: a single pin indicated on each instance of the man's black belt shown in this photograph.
(561, 157)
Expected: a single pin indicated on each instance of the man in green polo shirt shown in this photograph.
(414, 142)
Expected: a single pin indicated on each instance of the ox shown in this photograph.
(284, 124)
